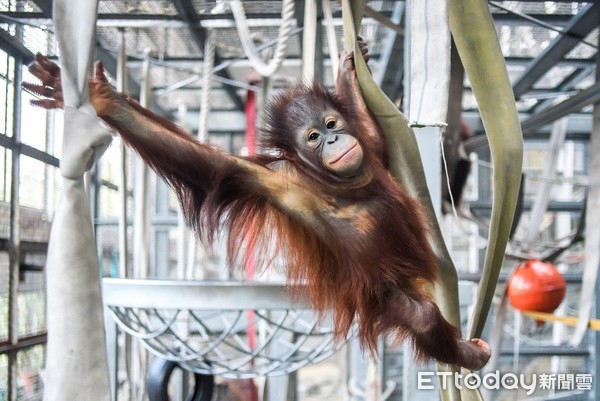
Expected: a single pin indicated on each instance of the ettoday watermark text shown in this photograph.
(509, 381)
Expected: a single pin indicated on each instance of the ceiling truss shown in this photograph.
(538, 76)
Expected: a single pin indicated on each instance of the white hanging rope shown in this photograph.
(445, 165)
(76, 363)
(207, 68)
(287, 15)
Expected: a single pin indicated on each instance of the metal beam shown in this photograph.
(36, 16)
(164, 21)
(504, 18)
(383, 20)
(581, 25)
(530, 17)
(262, 19)
(548, 351)
(188, 14)
(26, 150)
(571, 62)
(555, 1)
(45, 6)
(579, 127)
(218, 121)
(191, 61)
(563, 89)
(573, 104)
(553, 206)
(14, 47)
(511, 19)
(570, 278)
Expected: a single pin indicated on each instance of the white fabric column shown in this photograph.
(429, 63)
(429, 74)
(76, 365)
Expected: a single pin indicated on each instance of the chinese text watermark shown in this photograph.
(509, 381)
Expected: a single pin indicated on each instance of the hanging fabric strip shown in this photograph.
(473, 31)
(76, 360)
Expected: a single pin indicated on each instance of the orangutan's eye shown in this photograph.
(313, 136)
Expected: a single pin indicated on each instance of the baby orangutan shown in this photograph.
(347, 229)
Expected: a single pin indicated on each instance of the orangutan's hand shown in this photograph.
(51, 88)
(103, 97)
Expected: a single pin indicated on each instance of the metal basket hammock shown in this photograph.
(231, 329)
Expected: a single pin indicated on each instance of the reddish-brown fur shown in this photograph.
(377, 276)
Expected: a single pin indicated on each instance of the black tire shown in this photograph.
(158, 377)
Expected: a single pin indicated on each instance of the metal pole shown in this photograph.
(331, 38)
(308, 40)
(141, 226)
(121, 87)
(595, 140)
(141, 238)
(14, 249)
(123, 218)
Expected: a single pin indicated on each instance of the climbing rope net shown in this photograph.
(230, 329)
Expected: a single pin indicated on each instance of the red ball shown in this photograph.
(536, 286)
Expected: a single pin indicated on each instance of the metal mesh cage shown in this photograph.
(230, 329)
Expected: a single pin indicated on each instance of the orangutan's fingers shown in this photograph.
(42, 74)
(99, 72)
(48, 65)
(48, 103)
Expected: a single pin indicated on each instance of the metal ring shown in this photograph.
(160, 372)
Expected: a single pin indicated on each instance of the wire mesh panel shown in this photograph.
(30, 362)
(230, 329)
